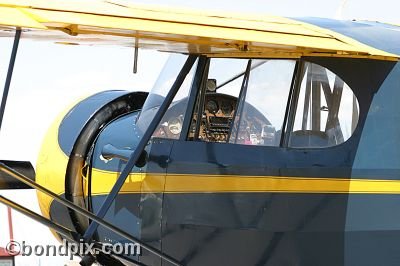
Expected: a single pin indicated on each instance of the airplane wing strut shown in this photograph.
(25, 167)
(9, 74)
(73, 236)
(96, 219)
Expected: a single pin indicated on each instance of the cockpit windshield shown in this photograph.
(161, 88)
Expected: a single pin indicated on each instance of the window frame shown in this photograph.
(292, 103)
(195, 90)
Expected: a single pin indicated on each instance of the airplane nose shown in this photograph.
(64, 160)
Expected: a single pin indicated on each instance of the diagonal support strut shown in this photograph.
(140, 147)
(9, 74)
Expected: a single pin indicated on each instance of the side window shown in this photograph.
(261, 109)
(217, 102)
(327, 110)
(243, 101)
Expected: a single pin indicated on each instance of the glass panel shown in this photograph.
(327, 110)
(171, 124)
(259, 119)
(222, 87)
(228, 75)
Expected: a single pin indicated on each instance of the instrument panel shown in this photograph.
(217, 117)
(217, 122)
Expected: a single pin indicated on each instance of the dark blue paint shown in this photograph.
(74, 122)
(373, 222)
(379, 143)
(378, 35)
(111, 134)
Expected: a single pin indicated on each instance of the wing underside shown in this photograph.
(175, 30)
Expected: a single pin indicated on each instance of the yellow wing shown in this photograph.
(176, 30)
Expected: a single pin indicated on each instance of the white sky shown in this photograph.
(49, 77)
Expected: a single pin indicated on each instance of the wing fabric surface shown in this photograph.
(176, 30)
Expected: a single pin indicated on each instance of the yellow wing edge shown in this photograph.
(117, 22)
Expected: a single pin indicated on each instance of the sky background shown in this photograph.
(49, 77)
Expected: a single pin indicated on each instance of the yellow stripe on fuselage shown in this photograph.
(199, 183)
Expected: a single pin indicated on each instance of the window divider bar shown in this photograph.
(202, 91)
(238, 104)
(293, 103)
(296, 67)
(194, 93)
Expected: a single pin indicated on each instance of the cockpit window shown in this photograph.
(226, 82)
(327, 110)
(217, 101)
(243, 101)
(246, 101)
(262, 104)
(171, 124)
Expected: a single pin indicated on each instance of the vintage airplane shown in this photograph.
(265, 141)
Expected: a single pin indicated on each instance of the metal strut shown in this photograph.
(9, 74)
(140, 147)
(33, 215)
(136, 55)
(97, 219)
(69, 235)
(4, 168)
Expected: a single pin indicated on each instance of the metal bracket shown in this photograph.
(136, 55)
